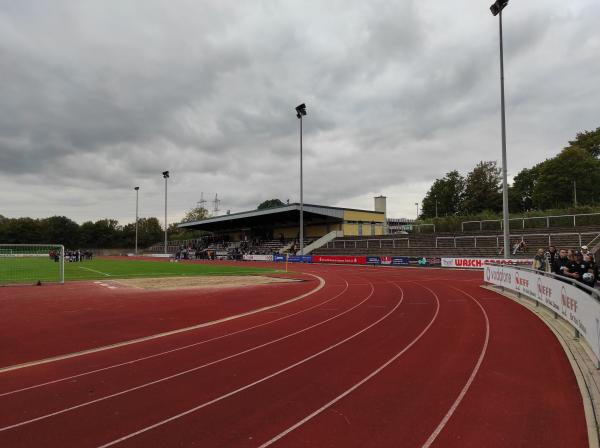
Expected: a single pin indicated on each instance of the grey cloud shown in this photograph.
(103, 97)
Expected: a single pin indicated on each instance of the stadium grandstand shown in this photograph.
(347, 231)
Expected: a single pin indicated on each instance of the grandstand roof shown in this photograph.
(285, 214)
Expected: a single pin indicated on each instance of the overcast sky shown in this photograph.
(97, 97)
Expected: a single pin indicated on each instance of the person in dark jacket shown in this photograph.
(560, 262)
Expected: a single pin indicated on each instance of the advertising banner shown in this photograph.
(340, 259)
(300, 258)
(248, 257)
(400, 261)
(479, 263)
(293, 258)
(373, 260)
(573, 304)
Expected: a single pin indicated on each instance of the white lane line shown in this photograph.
(165, 334)
(436, 432)
(166, 352)
(93, 270)
(361, 382)
(185, 372)
(248, 386)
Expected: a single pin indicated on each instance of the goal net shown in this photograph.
(30, 263)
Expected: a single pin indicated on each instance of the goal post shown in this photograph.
(32, 263)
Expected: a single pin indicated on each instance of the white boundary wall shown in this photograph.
(579, 307)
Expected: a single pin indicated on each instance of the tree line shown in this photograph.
(571, 178)
(104, 233)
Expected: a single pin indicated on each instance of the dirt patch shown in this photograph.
(208, 281)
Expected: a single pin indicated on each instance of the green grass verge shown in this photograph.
(30, 270)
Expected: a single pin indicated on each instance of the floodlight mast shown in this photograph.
(301, 112)
(496, 10)
(137, 191)
(165, 176)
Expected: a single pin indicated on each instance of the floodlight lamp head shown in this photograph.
(136, 188)
(498, 6)
(165, 174)
(300, 110)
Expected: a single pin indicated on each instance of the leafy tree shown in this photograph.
(270, 203)
(589, 141)
(107, 233)
(149, 231)
(447, 192)
(520, 194)
(60, 230)
(195, 214)
(554, 187)
(483, 189)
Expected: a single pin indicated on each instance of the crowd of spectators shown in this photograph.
(578, 265)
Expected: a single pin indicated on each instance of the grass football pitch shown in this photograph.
(32, 269)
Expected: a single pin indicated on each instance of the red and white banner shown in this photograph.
(339, 259)
(573, 304)
(479, 263)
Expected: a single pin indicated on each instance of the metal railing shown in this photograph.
(375, 243)
(520, 237)
(547, 219)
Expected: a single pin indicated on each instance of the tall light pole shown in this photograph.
(165, 176)
(436, 202)
(137, 191)
(301, 112)
(496, 9)
(417, 204)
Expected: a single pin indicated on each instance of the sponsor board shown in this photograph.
(373, 260)
(340, 259)
(249, 257)
(479, 263)
(400, 261)
(573, 304)
(293, 258)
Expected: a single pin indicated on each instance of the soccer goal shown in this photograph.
(31, 263)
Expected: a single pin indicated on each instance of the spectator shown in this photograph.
(551, 255)
(586, 270)
(520, 246)
(560, 262)
(539, 261)
(572, 269)
(585, 250)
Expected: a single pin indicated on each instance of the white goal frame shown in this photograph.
(19, 251)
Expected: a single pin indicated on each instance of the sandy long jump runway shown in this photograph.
(376, 358)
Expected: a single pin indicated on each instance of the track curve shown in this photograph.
(377, 357)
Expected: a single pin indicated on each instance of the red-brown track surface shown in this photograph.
(376, 357)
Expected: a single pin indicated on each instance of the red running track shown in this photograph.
(376, 357)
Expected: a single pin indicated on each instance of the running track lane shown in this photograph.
(383, 406)
(286, 352)
(38, 323)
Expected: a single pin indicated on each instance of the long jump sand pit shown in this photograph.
(205, 281)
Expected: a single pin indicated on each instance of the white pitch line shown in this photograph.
(165, 334)
(93, 270)
(248, 386)
(360, 383)
(184, 372)
(166, 352)
(436, 432)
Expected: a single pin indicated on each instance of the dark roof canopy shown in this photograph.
(283, 216)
